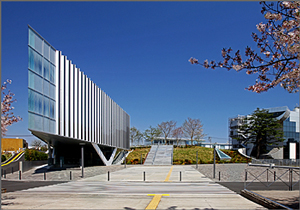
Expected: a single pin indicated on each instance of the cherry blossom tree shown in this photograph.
(7, 116)
(278, 43)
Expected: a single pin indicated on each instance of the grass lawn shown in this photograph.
(135, 156)
(187, 155)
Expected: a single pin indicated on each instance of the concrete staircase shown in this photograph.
(160, 155)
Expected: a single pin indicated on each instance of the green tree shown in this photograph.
(262, 129)
(135, 135)
(151, 133)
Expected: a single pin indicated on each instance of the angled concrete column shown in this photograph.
(101, 155)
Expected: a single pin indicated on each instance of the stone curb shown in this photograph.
(266, 202)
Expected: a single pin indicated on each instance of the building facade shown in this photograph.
(13, 145)
(288, 118)
(67, 110)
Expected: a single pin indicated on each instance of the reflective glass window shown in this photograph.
(30, 59)
(35, 82)
(46, 125)
(52, 55)
(52, 73)
(46, 107)
(30, 100)
(46, 69)
(35, 122)
(38, 44)
(39, 107)
(46, 88)
(38, 122)
(46, 51)
(52, 109)
(52, 126)
(52, 91)
(30, 121)
(31, 36)
(38, 63)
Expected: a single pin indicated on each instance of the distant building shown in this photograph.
(13, 145)
(187, 141)
(68, 111)
(288, 118)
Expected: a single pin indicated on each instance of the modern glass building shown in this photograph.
(288, 118)
(67, 110)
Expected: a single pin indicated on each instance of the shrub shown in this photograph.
(32, 155)
(3, 158)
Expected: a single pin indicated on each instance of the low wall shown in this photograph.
(27, 165)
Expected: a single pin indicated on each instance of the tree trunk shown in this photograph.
(258, 148)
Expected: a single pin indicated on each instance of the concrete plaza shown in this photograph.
(165, 187)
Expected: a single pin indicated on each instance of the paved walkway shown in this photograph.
(126, 189)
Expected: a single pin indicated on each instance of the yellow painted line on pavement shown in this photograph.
(12, 159)
(169, 174)
(155, 201)
(157, 197)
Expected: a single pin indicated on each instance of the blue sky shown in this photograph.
(138, 52)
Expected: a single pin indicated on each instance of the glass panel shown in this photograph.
(46, 107)
(38, 43)
(30, 100)
(35, 82)
(30, 59)
(31, 36)
(52, 109)
(46, 88)
(39, 108)
(52, 126)
(35, 122)
(52, 73)
(52, 91)
(46, 51)
(38, 63)
(52, 55)
(46, 70)
(30, 121)
(46, 125)
(38, 122)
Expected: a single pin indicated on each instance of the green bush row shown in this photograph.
(32, 154)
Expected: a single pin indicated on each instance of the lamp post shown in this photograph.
(214, 170)
(82, 159)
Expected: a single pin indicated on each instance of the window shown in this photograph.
(52, 56)
(46, 69)
(52, 91)
(35, 82)
(38, 44)
(46, 51)
(46, 88)
(46, 107)
(52, 109)
(52, 73)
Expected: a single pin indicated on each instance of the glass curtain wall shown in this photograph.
(41, 84)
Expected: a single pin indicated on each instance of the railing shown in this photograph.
(263, 176)
(278, 162)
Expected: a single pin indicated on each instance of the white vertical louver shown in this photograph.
(85, 112)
